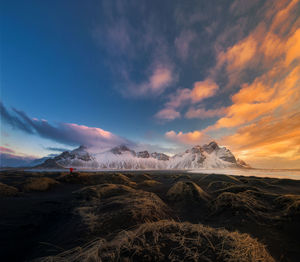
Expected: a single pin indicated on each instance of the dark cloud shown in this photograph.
(14, 121)
(56, 149)
(65, 133)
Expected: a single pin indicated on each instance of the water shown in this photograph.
(273, 173)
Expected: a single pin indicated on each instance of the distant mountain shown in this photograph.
(121, 157)
(11, 160)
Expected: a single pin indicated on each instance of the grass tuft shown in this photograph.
(6, 190)
(39, 184)
(170, 241)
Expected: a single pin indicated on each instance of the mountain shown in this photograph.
(206, 156)
(79, 157)
(121, 157)
(11, 160)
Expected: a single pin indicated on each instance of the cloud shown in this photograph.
(263, 78)
(202, 113)
(237, 56)
(241, 7)
(6, 150)
(201, 90)
(160, 78)
(190, 138)
(138, 54)
(14, 121)
(66, 133)
(269, 139)
(168, 114)
(56, 149)
(11, 160)
(183, 42)
(263, 97)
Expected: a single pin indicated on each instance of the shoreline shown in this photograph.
(293, 174)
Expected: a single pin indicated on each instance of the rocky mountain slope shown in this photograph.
(121, 157)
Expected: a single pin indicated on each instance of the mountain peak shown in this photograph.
(122, 157)
(82, 147)
(212, 146)
(118, 150)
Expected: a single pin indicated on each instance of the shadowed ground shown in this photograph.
(149, 216)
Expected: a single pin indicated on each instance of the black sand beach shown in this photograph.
(232, 217)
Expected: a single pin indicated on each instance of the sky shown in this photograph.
(162, 75)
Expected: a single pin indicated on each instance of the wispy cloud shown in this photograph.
(6, 150)
(139, 55)
(201, 90)
(202, 113)
(160, 78)
(183, 42)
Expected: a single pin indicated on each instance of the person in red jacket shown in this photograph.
(71, 170)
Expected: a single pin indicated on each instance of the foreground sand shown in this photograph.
(147, 216)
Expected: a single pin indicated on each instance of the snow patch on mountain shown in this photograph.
(122, 157)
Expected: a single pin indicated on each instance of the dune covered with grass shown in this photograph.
(148, 216)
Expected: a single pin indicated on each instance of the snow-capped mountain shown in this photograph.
(122, 157)
(206, 156)
(79, 157)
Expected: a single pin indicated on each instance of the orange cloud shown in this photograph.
(203, 89)
(190, 138)
(284, 15)
(263, 120)
(256, 100)
(238, 55)
(268, 138)
(293, 48)
(256, 92)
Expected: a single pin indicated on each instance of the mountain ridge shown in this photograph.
(210, 155)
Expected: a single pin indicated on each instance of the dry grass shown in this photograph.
(102, 191)
(170, 241)
(182, 177)
(108, 208)
(243, 206)
(94, 179)
(6, 190)
(150, 183)
(38, 184)
(213, 177)
(140, 177)
(187, 191)
(290, 204)
(236, 201)
(217, 185)
(238, 189)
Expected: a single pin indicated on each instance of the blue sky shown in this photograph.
(166, 73)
